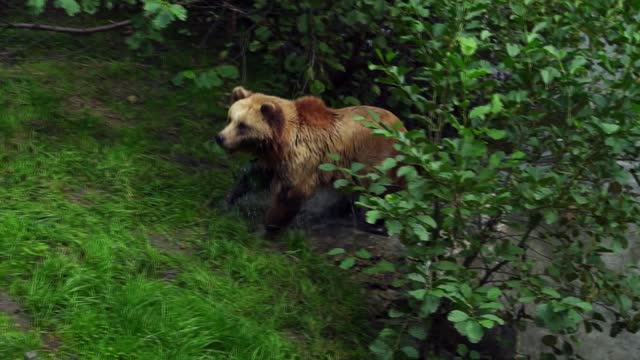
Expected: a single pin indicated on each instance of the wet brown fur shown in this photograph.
(313, 112)
(299, 136)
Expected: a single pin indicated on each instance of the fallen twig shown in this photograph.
(70, 30)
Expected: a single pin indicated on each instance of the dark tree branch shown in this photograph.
(533, 223)
(69, 30)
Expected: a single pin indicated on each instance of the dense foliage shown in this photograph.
(510, 219)
(510, 216)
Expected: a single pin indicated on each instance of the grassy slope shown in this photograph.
(104, 234)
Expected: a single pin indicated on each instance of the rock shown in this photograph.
(31, 355)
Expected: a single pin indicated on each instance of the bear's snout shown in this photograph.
(220, 140)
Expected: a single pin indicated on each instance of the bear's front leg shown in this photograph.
(285, 205)
(254, 175)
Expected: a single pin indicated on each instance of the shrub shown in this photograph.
(510, 219)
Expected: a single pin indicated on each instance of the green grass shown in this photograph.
(15, 341)
(106, 238)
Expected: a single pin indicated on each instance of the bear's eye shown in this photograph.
(242, 126)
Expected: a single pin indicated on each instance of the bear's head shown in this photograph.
(255, 122)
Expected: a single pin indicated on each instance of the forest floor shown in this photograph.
(111, 242)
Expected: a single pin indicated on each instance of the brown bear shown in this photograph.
(292, 138)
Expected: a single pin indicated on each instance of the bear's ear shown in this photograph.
(274, 116)
(239, 93)
(268, 109)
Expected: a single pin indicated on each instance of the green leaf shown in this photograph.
(585, 306)
(577, 63)
(178, 79)
(548, 74)
(317, 87)
(574, 301)
(554, 321)
(550, 216)
(428, 220)
(420, 232)
(496, 159)
(491, 305)
(189, 74)
(527, 299)
(496, 134)
(152, 6)
(162, 19)
(410, 352)
(373, 216)
(462, 350)
(518, 155)
(429, 305)
(486, 323)
(394, 227)
(363, 254)
(36, 6)
(457, 316)
(479, 111)
(447, 265)
(381, 267)
(417, 277)
(418, 294)
(336, 251)
(381, 350)
(466, 291)
(580, 200)
(552, 50)
(328, 167)
(356, 166)
(407, 171)
(394, 314)
(418, 332)
(178, 11)
(493, 294)
(468, 45)
(302, 24)
(388, 164)
(496, 104)
(71, 7)
(378, 189)
(334, 157)
(493, 318)
(263, 33)
(340, 183)
(513, 50)
(551, 292)
(208, 79)
(374, 115)
(348, 263)
(227, 71)
(609, 128)
(471, 329)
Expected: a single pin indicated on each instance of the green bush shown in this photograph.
(508, 221)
